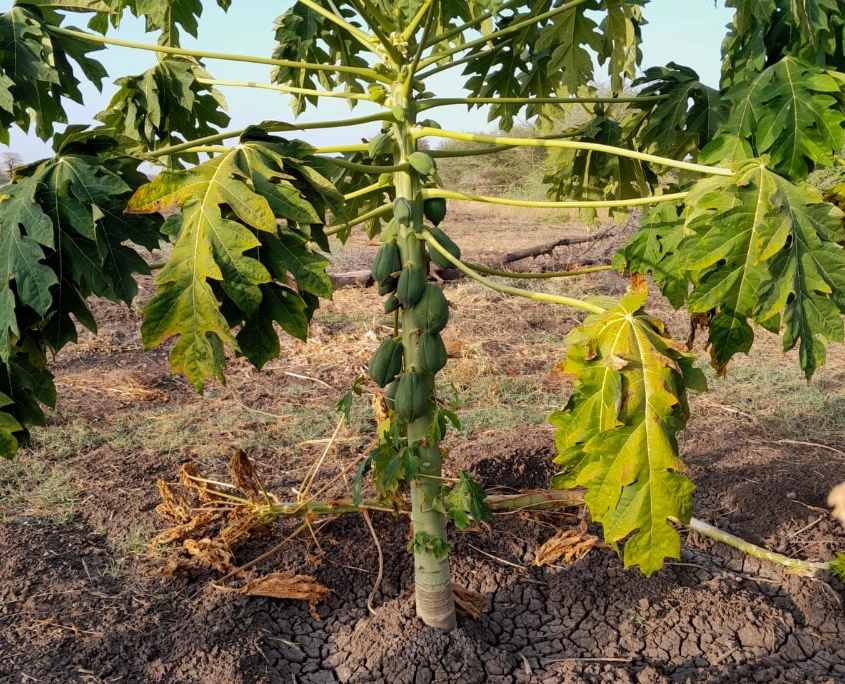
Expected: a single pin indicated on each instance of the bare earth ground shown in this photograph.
(82, 598)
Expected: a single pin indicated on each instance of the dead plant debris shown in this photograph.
(297, 587)
(566, 547)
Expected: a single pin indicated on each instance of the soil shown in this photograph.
(73, 610)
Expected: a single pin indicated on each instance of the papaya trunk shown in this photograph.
(432, 580)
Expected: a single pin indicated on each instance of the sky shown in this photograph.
(691, 36)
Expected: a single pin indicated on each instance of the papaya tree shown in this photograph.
(732, 231)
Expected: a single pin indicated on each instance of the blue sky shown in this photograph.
(690, 36)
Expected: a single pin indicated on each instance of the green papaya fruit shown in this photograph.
(411, 286)
(388, 286)
(390, 232)
(391, 304)
(386, 363)
(402, 211)
(434, 209)
(390, 395)
(445, 241)
(422, 163)
(386, 262)
(413, 395)
(431, 353)
(431, 312)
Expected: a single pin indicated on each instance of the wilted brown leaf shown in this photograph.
(181, 532)
(638, 284)
(174, 505)
(468, 602)
(298, 587)
(380, 408)
(244, 477)
(190, 477)
(836, 500)
(211, 552)
(176, 567)
(566, 546)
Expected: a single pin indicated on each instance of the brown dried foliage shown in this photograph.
(195, 526)
(190, 477)
(566, 547)
(298, 587)
(211, 552)
(174, 506)
(245, 478)
(836, 500)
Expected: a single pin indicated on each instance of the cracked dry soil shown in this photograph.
(713, 617)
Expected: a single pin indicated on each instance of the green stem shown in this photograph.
(511, 28)
(409, 84)
(363, 218)
(340, 149)
(570, 145)
(365, 191)
(411, 28)
(284, 89)
(505, 289)
(377, 32)
(432, 580)
(805, 567)
(363, 168)
(271, 127)
(537, 276)
(357, 71)
(354, 31)
(492, 149)
(208, 149)
(457, 62)
(458, 30)
(574, 204)
(448, 102)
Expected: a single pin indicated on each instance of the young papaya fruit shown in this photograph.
(402, 211)
(434, 209)
(431, 353)
(445, 241)
(431, 312)
(391, 304)
(422, 163)
(386, 363)
(388, 286)
(386, 262)
(390, 232)
(390, 395)
(413, 395)
(411, 286)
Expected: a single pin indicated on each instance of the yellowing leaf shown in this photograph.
(616, 435)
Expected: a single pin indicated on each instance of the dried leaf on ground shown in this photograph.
(298, 587)
(245, 478)
(468, 602)
(181, 532)
(211, 552)
(174, 505)
(567, 546)
(836, 500)
(176, 567)
(190, 477)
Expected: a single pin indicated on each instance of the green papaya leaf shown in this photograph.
(465, 501)
(229, 245)
(762, 249)
(792, 112)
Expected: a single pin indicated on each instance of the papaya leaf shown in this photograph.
(465, 500)
(617, 434)
(792, 112)
(229, 245)
(654, 250)
(683, 123)
(620, 31)
(164, 106)
(36, 73)
(23, 389)
(764, 249)
(597, 176)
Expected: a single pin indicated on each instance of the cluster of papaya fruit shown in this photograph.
(408, 288)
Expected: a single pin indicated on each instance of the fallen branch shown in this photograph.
(550, 247)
